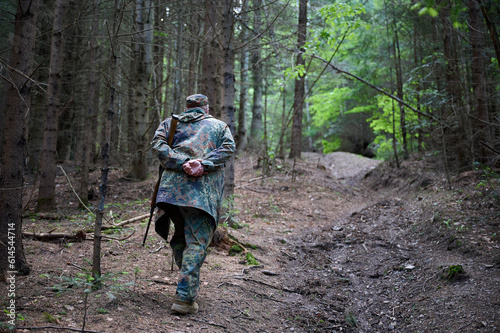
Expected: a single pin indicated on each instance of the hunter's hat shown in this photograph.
(196, 100)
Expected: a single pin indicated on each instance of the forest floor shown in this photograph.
(342, 244)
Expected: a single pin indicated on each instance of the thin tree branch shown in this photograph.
(265, 30)
(490, 147)
(55, 328)
(76, 194)
(379, 90)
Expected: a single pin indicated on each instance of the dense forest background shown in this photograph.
(89, 81)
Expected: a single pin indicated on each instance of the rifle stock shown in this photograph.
(170, 139)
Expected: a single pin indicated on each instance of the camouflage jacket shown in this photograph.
(197, 136)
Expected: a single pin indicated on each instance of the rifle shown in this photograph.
(170, 139)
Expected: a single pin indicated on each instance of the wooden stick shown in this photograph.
(121, 224)
(78, 236)
(117, 239)
(56, 328)
(254, 190)
(81, 235)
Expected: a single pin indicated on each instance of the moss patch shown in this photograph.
(234, 250)
(454, 273)
(251, 259)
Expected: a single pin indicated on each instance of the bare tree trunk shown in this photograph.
(281, 143)
(46, 194)
(416, 63)
(455, 139)
(87, 132)
(39, 98)
(211, 82)
(95, 121)
(142, 74)
(13, 156)
(478, 82)
(242, 138)
(158, 56)
(108, 119)
(178, 63)
(228, 88)
(71, 102)
(255, 139)
(296, 144)
(399, 91)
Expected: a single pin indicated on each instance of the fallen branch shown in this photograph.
(56, 328)
(116, 239)
(254, 190)
(121, 224)
(48, 236)
(81, 235)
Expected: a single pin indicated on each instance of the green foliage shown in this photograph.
(340, 20)
(433, 7)
(351, 319)
(454, 273)
(387, 119)
(327, 106)
(229, 213)
(330, 147)
(488, 182)
(49, 318)
(294, 72)
(250, 246)
(234, 250)
(250, 259)
(383, 147)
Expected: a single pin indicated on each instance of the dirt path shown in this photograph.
(335, 255)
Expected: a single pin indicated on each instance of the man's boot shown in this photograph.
(184, 307)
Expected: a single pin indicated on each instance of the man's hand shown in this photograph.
(193, 168)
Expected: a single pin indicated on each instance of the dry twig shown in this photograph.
(55, 328)
(48, 236)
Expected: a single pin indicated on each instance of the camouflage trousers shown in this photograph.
(194, 229)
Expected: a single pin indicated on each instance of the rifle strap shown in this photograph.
(171, 131)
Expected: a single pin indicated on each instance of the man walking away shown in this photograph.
(190, 191)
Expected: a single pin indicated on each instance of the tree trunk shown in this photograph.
(242, 138)
(299, 92)
(87, 138)
(12, 256)
(399, 91)
(416, 63)
(46, 193)
(255, 139)
(211, 58)
(106, 141)
(71, 102)
(38, 107)
(158, 70)
(478, 83)
(284, 127)
(228, 88)
(142, 74)
(178, 63)
(453, 109)
(491, 29)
